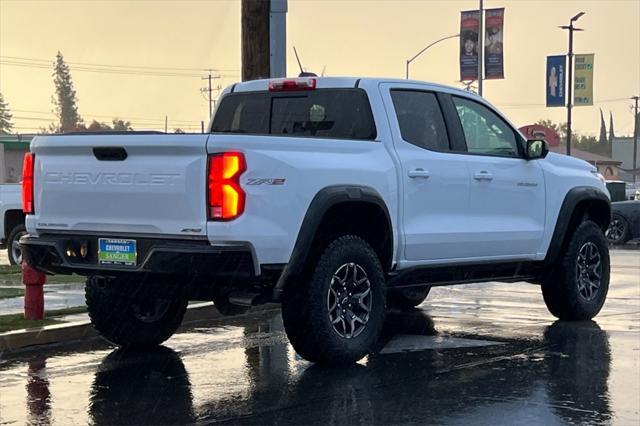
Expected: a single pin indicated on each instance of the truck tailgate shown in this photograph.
(83, 183)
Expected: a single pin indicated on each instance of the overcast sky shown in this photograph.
(357, 38)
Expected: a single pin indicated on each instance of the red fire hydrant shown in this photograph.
(33, 292)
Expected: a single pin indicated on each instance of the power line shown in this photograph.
(534, 105)
(108, 70)
(47, 61)
(132, 122)
(118, 116)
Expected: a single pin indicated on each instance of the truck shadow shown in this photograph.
(559, 378)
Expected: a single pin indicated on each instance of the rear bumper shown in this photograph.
(53, 254)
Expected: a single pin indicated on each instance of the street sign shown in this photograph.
(583, 86)
(556, 80)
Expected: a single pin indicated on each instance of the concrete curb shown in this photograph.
(78, 330)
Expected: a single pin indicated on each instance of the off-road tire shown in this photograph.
(560, 285)
(14, 236)
(306, 310)
(407, 298)
(624, 232)
(116, 306)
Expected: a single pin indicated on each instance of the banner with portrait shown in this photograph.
(469, 28)
(493, 43)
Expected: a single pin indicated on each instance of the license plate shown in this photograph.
(117, 252)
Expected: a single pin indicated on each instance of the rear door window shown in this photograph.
(420, 119)
(322, 113)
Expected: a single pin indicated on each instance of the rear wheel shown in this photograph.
(134, 312)
(337, 317)
(618, 231)
(576, 288)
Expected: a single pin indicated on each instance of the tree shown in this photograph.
(612, 134)
(602, 140)
(97, 126)
(6, 126)
(65, 99)
(178, 130)
(121, 125)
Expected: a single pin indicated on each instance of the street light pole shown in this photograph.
(571, 29)
(424, 50)
(636, 122)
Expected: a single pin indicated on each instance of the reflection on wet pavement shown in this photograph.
(473, 354)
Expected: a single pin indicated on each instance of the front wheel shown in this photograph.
(576, 288)
(134, 311)
(337, 316)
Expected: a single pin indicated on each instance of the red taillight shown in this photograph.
(226, 197)
(292, 84)
(27, 183)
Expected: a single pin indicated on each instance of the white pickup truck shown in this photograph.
(336, 196)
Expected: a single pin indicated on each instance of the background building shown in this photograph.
(12, 150)
(608, 167)
(622, 150)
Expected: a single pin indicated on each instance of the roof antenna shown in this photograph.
(303, 73)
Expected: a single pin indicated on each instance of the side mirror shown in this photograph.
(536, 149)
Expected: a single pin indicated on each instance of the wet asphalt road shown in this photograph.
(474, 354)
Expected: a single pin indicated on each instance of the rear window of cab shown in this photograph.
(320, 113)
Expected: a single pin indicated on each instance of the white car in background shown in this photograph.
(12, 224)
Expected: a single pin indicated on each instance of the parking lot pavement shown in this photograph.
(4, 259)
(473, 354)
(56, 296)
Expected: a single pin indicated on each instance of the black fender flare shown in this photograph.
(325, 199)
(574, 197)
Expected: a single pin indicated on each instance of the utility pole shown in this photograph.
(571, 29)
(208, 90)
(278, 38)
(480, 44)
(166, 121)
(636, 119)
(263, 31)
(255, 39)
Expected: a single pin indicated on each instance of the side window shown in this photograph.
(484, 131)
(420, 119)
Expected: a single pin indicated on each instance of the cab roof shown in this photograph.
(346, 82)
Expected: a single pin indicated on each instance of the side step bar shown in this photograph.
(466, 274)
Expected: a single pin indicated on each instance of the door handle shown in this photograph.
(419, 173)
(483, 175)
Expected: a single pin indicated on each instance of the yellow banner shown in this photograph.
(583, 86)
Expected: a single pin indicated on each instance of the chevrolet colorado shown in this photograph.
(337, 197)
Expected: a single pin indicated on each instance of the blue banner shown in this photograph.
(556, 66)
